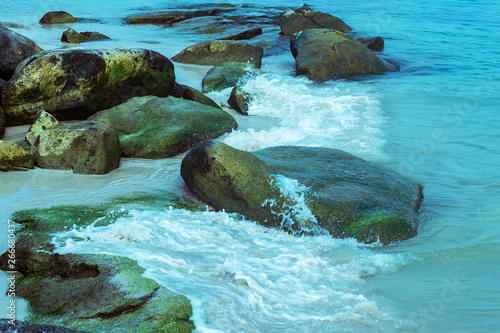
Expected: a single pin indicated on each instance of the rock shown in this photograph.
(85, 147)
(322, 54)
(74, 84)
(43, 121)
(17, 326)
(13, 157)
(14, 48)
(331, 190)
(152, 127)
(169, 18)
(247, 34)
(239, 100)
(221, 52)
(72, 36)
(194, 95)
(92, 292)
(222, 77)
(295, 20)
(373, 43)
(56, 17)
(2, 122)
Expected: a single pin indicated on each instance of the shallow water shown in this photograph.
(433, 121)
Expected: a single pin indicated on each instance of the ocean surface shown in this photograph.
(436, 121)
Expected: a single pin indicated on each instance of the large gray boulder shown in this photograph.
(221, 52)
(306, 190)
(13, 157)
(295, 20)
(85, 147)
(324, 54)
(14, 48)
(153, 127)
(73, 84)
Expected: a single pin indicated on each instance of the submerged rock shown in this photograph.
(169, 18)
(91, 292)
(13, 157)
(73, 84)
(222, 77)
(334, 191)
(295, 20)
(323, 54)
(152, 127)
(17, 326)
(221, 52)
(56, 17)
(85, 147)
(14, 48)
(373, 43)
(72, 36)
(247, 34)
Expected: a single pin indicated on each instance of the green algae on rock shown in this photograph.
(346, 196)
(323, 54)
(153, 127)
(221, 77)
(194, 95)
(57, 17)
(72, 36)
(93, 292)
(13, 157)
(76, 83)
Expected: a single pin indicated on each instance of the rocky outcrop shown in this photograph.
(85, 147)
(295, 20)
(57, 17)
(239, 99)
(169, 18)
(91, 292)
(73, 84)
(222, 77)
(306, 190)
(14, 48)
(221, 52)
(323, 54)
(152, 127)
(13, 157)
(72, 36)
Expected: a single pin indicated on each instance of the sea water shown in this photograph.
(435, 121)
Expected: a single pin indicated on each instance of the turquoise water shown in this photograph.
(435, 120)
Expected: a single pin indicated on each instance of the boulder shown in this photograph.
(239, 99)
(295, 20)
(306, 190)
(153, 127)
(13, 157)
(92, 292)
(373, 43)
(85, 147)
(247, 34)
(74, 84)
(2, 122)
(194, 95)
(323, 54)
(56, 17)
(221, 52)
(72, 36)
(222, 77)
(43, 121)
(14, 48)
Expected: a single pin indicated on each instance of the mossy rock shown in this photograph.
(72, 36)
(152, 127)
(13, 157)
(323, 54)
(194, 95)
(346, 196)
(221, 52)
(76, 83)
(2, 122)
(221, 77)
(239, 100)
(295, 20)
(57, 17)
(93, 292)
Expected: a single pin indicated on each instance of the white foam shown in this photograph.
(242, 277)
(342, 115)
